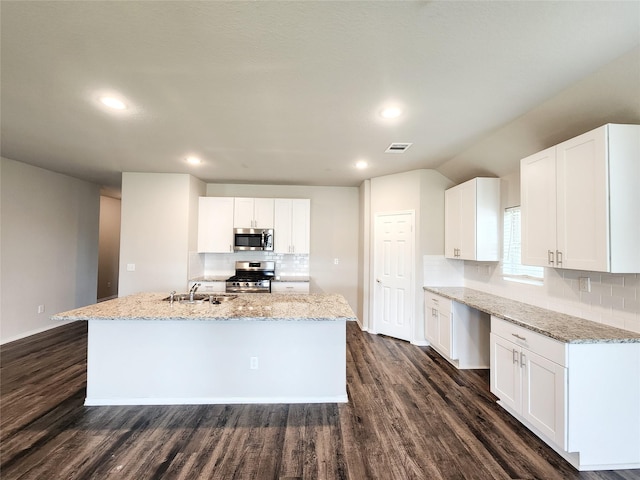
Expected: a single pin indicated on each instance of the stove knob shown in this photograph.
(246, 284)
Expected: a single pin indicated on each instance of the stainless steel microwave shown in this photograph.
(253, 239)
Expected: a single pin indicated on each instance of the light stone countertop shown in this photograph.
(247, 306)
(212, 278)
(291, 278)
(562, 327)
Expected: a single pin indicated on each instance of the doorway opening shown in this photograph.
(108, 248)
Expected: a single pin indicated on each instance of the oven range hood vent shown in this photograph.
(398, 147)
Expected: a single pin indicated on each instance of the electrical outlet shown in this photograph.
(585, 284)
(131, 267)
(253, 363)
(336, 261)
(40, 308)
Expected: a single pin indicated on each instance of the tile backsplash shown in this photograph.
(613, 299)
(223, 264)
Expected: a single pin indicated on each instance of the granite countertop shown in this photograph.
(291, 278)
(562, 327)
(248, 306)
(211, 278)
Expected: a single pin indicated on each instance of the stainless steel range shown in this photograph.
(251, 277)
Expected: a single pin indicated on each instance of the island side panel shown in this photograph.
(159, 362)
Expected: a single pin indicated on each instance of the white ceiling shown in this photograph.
(285, 92)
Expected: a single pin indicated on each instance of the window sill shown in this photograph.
(522, 279)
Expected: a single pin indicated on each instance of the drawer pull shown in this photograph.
(515, 356)
(523, 360)
(518, 336)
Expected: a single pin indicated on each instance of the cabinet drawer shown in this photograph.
(290, 287)
(544, 346)
(434, 301)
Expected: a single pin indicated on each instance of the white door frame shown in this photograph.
(372, 279)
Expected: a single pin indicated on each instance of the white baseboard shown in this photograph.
(213, 400)
(34, 332)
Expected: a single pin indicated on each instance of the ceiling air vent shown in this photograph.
(398, 147)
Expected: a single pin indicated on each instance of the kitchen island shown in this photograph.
(255, 348)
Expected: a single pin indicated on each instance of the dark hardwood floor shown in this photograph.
(410, 416)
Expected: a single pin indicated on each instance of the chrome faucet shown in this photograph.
(193, 289)
(171, 295)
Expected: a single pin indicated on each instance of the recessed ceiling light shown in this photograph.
(391, 112)
(113, 102)
(194, 160)
(361, 164)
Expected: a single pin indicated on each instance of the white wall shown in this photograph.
(49, 247)
(609, 95)
(109, 248)
(423, 192)
(157, 230)
(334, 232)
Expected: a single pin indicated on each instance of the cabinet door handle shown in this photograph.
(550, 257)
(518, 336)
(515, 357)
(559, 257)
(523, 360)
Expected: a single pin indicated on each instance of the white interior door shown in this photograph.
(393, 274)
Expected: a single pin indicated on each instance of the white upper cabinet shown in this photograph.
(472, 220)
(215, 224)
(253, 213)
(580, 202)
(538, 208)
(292, 225)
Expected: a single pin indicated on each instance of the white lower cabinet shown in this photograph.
(582, 399)
(530, 384)
(459, 333)
(289, 287)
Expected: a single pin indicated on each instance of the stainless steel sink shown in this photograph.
(221, 297)
(216, 298)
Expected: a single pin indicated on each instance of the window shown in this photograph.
(512, 269)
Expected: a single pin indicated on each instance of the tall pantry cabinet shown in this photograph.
(580, 202)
